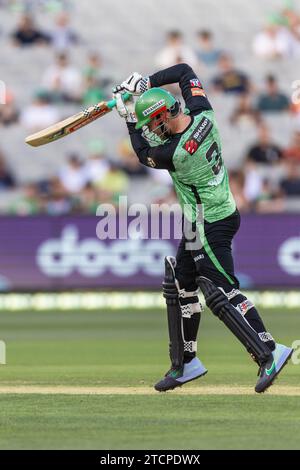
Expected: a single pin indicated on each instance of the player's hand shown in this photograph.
(125, 110)
(134, 84)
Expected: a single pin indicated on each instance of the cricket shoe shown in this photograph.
(176, 377)
(271, 368)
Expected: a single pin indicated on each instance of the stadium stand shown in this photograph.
(126, 44)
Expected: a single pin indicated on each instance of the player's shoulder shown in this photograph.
(200, 112)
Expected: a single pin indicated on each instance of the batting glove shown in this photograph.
(134, 84)
(125, 110)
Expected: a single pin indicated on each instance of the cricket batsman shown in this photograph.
(187, 144)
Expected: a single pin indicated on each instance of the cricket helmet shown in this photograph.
(154, 105)
(153, 102)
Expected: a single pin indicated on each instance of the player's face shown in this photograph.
(159, 125)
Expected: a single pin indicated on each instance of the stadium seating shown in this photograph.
(127, 41)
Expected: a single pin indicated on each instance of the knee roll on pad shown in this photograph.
(170, 291)
(219, 304)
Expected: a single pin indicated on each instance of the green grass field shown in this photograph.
(120, 351)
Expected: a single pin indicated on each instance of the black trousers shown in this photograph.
(214, 260)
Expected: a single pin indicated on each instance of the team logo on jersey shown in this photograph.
(195, 82)
(191, 146)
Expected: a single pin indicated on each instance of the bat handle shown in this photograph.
(112, 103)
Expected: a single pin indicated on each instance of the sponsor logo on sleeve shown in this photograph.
(198, 92)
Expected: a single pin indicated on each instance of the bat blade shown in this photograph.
(69, 125)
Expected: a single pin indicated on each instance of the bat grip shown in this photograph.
(112, 103)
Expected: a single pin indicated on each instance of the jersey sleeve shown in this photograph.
(190, 85)
(160, 157)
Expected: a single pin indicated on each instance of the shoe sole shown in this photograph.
(179, 384)
(277, 373)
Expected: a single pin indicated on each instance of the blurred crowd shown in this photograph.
(268, 177)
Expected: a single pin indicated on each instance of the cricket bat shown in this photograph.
(72, 123)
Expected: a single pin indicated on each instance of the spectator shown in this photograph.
(8, 112)
(272, 100)
(89, 199)
(97, 166)
(63, 81)
(7, 180)
(27, 34)
(57, 201)
(293, 152)
(129, 162)
(268, 201)
(245, 113)
(73, 176)
(175, 52)
(237, 181)
(253, 182)
(28, 203)
(93, 66)
(292, 20)
(274, 41)
(94, 77)
(229, 79)
(290, 185)
(63, 37)
(264, 150)
(206, 52)
(267, 192)
(114, 185)
(93, 93)
(40, 113)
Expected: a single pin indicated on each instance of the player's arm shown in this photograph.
(190, 85)
(160, 157)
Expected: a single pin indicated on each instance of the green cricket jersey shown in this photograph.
(193, 157)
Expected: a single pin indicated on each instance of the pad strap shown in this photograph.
(189, 309)
(190, 346)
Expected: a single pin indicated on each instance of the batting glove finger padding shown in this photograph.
(134, 84)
